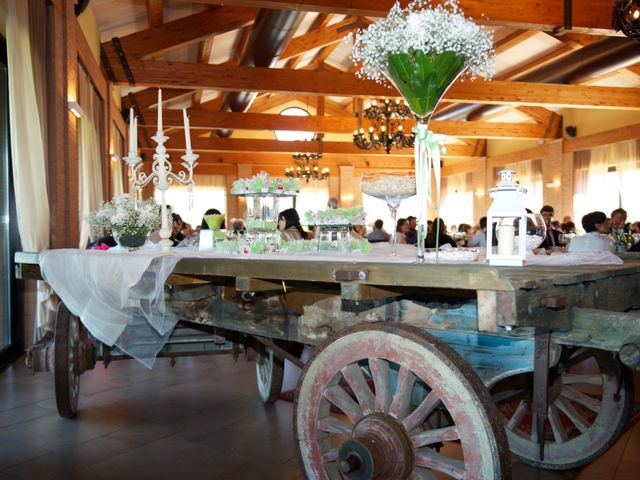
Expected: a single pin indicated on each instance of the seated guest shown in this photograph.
(357, 231)
(378, 234)
(596, 239)
(412, 234)
(635, 228)
(479, 238)
(289, 225)
(552, 238)
(569, 228)
(402, 228)
(238, 226)
(443, 238)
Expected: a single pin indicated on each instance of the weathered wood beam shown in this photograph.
(230, 78)
(180, 33)
(587, 15)
(154, 13)
(205, 52)
(149, 96)
(330, 35)
(346, 124)
(201, 144)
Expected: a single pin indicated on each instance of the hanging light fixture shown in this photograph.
(306, 165)
(386, 129)
(626, 17)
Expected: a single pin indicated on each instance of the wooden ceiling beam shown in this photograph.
(180, 33)
(319, 22)
(154, 13)
(345, 124)
(588, 16)
(157, 73)
(330, 35)
(202, 144)
(513, 40)
(149, 97)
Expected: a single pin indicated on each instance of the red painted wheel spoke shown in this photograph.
(343, 401)
(577, 419)
(570, 379)
(380, 373)
(420, 473)
(400, 405)
(352, 373)
(429, 437)
(559, 432)
(334, 425)
(419, 415)
(591, 403)
(425, 457)
(516, 419)
(330, 456)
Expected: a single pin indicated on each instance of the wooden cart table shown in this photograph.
(420, 370)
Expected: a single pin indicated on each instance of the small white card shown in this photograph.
(206, 240)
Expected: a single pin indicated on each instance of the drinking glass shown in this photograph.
(392, 187)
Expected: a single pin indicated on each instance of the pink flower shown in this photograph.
(101, 246)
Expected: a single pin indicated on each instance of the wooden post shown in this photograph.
(63, 172)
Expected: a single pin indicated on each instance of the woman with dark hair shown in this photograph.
(430, 241)
(289, 225)
(211, 211)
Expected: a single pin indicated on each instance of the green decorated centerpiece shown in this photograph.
(421, 50)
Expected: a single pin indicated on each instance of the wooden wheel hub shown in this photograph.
(378, 449)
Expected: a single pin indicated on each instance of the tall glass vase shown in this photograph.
(423, 79)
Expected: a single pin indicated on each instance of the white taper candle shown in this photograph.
(159, 109)
(187, 133)
(131, 129)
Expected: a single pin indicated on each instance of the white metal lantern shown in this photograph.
(509, 215)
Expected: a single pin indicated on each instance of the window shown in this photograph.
(209, 192)
(457, 200)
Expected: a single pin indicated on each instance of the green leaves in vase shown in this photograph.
(422, 78)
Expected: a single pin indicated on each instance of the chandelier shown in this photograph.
(626, 17)
(306, 165)
(386, 129)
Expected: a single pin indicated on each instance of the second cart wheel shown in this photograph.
(590, 398)
(269, 375)
(370, 404)
(66, 363)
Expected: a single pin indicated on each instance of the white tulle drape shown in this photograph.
(89, 153)
(28, 152)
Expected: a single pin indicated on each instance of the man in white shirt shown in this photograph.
(596, 238)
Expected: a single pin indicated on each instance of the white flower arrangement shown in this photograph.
(121, 216)
(263, 183)
(423, 27)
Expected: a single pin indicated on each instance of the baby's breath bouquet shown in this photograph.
(124, 219)
(422, 49)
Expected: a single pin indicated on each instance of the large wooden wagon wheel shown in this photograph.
(590, 398)
(66, 364)
(368, 406)
(269, 375)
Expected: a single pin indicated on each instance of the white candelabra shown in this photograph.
(161, 174)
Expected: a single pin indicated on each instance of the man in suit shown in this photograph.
(553, 236)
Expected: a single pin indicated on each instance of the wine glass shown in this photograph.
(536, 231)
(392, 187)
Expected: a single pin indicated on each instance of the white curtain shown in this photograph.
(27, 145)
(626, 158)
(28, 152)
(457, 200)
(209, 192)
(529, 175)
(89, 152)
(595, 187)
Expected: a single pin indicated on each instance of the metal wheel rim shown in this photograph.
(318, 430)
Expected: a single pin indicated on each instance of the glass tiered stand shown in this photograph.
(262, 219)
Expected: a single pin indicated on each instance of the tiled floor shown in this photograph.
(201, 419)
